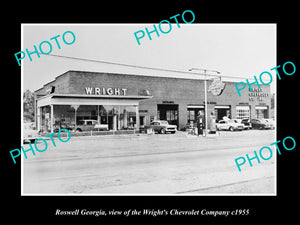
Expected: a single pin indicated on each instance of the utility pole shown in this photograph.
(205, 91)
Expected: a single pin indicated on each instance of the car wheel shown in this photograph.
(78, 130)
(163, 131)
(231, 129)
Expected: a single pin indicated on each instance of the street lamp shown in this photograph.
(205, 91)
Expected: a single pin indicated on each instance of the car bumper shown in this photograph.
(239, 128)
(171, 129)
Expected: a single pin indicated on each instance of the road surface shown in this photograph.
(176, 164)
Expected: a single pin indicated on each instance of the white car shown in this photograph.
(229, 125)
(239, 121)
(270, 123)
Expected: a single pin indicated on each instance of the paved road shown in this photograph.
(151, 164)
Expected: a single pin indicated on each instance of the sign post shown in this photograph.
(210, 88)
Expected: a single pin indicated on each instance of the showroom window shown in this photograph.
(243, 112)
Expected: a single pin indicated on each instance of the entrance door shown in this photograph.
(221, 111)
(193, 114)
(261, 112)
(168, 112)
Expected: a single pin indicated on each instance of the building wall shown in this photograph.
(61, 83)
(164, 90)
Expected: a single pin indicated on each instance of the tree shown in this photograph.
(28, 106)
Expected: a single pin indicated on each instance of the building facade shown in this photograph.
(132, 101)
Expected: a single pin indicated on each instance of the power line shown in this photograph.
(144, 67)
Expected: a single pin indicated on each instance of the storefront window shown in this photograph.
(192, 114)
(261, 112)
(116, 117)
(127, 117)
(242, 112)
(168, 112)
(171, 115)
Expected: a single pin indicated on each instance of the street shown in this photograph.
(152, 164)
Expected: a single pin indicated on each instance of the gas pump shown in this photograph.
(200, 123)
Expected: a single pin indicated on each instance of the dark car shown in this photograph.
(88, 125)
(246, 123)
(63, 126)
(162, 126)
(259, 124)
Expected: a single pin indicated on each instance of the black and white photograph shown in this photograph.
(157, 115)
(147, 112)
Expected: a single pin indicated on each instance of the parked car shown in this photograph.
(229, 125)
(239, 121)
(63, 126)
(30, 134)
(88, 125)
(259, 124)
(162, 126)
(270, 122)
(246, 123)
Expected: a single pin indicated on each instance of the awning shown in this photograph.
(261, 107)
(74, 99)
(222, 107)
(195, 106)
(242, 107)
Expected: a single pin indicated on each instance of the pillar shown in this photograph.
(125, 118)
(137, 117)
(51, 118)
(115, 122)
(119, 118)
(38, 118)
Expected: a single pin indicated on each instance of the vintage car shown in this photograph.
(240, 123)
(260, 124)
(271, 123)
(59, 126)
(246, 123)
(229, 125)
(162, 126)
(88, 125)
(30, 134)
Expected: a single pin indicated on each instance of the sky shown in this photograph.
(238, 50)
